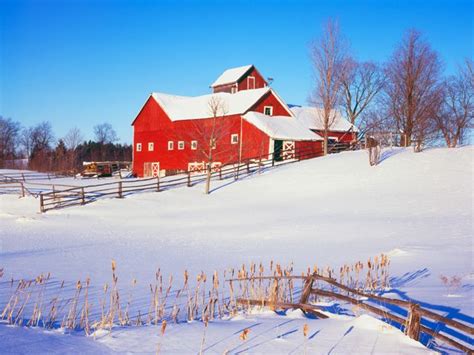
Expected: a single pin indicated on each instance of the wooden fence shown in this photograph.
(30, 175)
(413, 325)
(64, 196)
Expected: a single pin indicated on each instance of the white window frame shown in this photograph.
(236, 136)
(151, 146)
(248, 82)
(170, 145)
(194, 145)
(265, 109)
(181, 145)
(139, 147)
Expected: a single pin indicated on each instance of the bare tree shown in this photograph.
(457, 113)
(413, 93)
(104, 133)
(43, 136)
(211, 134)
(9, 131)
(42, 139)
(26, 140)
(72, 139)
(469, 71)
(361, 82)
(329, 60)
(373, 145)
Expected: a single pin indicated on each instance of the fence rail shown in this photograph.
(29, 175)
(413, 325)
(80, 195)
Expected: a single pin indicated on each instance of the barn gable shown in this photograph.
(143, 121)
(238, 79)
(271, 104)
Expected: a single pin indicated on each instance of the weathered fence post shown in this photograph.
(83, 196)
(54, 193)
(248, 166)
(308, 286)
(157, 184)
(23, 176)
(220, 174)
(274, 296)
(189, 179)
(22, 190)
(41, 203)
(413, 322)
(120, 189)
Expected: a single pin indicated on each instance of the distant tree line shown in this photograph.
(36, 147)
(408, 95)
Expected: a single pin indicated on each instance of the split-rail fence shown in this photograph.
(414, 325)
(64, 196)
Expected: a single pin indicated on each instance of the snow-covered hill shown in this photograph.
(326, 211)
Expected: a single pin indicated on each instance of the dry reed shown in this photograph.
(197, 300)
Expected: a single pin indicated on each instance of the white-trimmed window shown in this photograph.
(170, 145)
(151, 146)
(181, 145)
(139, 147)
(268, 110)
(233, 89)
(234, 139)
(194, 145)
(250, 82)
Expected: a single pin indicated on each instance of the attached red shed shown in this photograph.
(340, 130)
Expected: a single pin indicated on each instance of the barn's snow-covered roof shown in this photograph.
(231, 75)
(281, 127)
(180, 108)
(312, 118)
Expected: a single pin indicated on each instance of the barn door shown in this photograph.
(216, 166)
(196, 168)
(155, 169)
(277, 150)
(151, 169)
(288, 150)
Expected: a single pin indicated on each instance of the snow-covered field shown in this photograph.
(417, 208)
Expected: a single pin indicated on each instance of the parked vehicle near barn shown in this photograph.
(104, 168)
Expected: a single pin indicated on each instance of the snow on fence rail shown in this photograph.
(415, 323)
(81, 195)
(28, 175)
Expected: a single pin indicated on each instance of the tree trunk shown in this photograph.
(325, 144)
(208, 179)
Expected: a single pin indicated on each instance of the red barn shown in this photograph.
(243, 119)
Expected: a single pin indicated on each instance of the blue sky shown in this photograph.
(80, 63)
